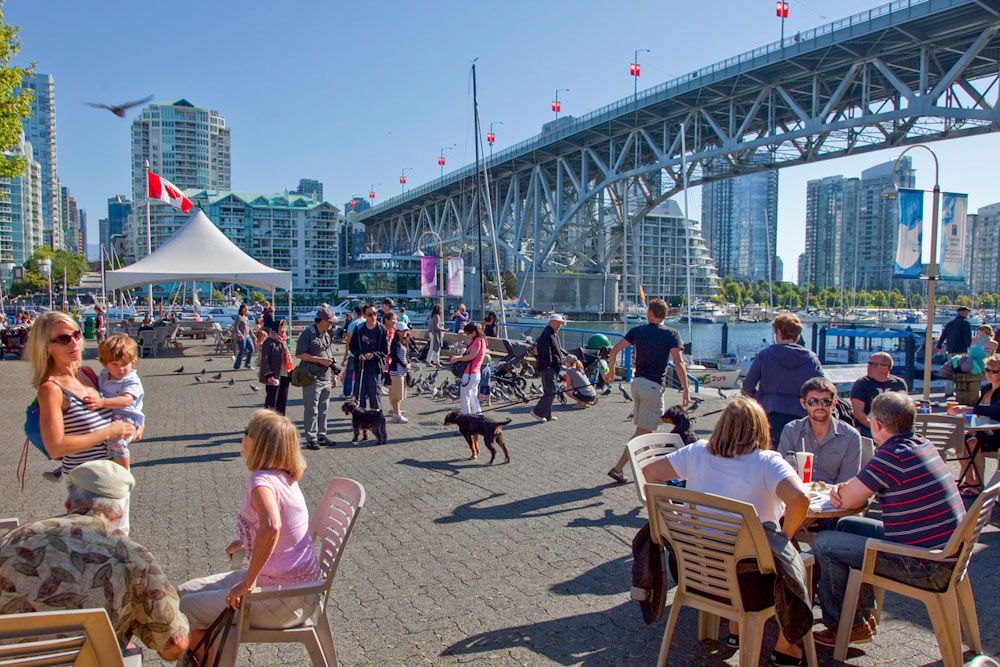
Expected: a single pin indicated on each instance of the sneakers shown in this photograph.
(52, 475)
(860, 634)
(617, 476)
(325, 442)
(400, 419)
(312, 444)
(537, 417)
(553, 418)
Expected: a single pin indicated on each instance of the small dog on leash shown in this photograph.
(678, 417)
(473, 426)
(364, 421)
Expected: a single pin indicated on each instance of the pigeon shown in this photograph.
(434, 375)
(254, 388)
(120, 109)
(621, 388)
(202, 371)
(198, 379)
(217, 377)
(231, 382)
(630, 415)
(722, 394)
(608, 390)
(179, 370)
(209, 360)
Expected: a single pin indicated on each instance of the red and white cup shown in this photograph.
(804, 464)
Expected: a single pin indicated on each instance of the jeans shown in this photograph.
(315, 399)
(349, 377)
(245, 345)
(468, 401)
(277, 395)
(544, 406)
(838, 551)
(366, 381)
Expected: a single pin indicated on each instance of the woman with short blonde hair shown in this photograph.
(273, 526)
(741, 429)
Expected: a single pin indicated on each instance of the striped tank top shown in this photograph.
(78, 420)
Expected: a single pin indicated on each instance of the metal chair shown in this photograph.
(87, 640)
(955, 602)
(643, 450)
(709, 534)
(330, 524)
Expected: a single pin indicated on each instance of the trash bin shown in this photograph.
(90, 327)
(967, 387)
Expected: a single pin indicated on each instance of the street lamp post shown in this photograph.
(634, 71)
(490, 137)
(441, 157)
(931, 264)
(402, 179)
(371, 193)
(556, 106)
(440, 259)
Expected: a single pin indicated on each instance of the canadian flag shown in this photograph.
(164, 190)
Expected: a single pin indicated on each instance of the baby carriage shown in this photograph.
(14, 339)
(513, 368)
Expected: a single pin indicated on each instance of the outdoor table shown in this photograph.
(976, 424)
(820, 507)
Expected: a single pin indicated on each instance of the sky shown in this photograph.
(352, 93)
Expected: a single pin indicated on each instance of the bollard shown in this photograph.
(725, 339)
(911, 354)
(822, 345)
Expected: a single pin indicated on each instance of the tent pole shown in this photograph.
(149, 241)
(289, 309)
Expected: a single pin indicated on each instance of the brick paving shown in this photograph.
(452, 561)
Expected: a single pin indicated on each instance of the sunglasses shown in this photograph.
(246, 431)
(993, 370)
(876, 363)
(66, 339)
(825, 402)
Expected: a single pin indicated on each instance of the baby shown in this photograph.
(121, 389)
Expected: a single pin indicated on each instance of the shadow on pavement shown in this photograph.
(611, 578)
(630, 519)
(199, 458)
(526, 508)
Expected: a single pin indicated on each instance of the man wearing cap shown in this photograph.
(79, 561)
(316, 346)
(957, 334)
(548, 361)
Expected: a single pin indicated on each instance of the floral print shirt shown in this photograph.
(78, 561)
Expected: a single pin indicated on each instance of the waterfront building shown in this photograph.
(119, 209)
(70, 217)
(352, 241)
(662, 267)
(739, 220)
(310, 188)
(82, 218)
(831, 207)
(284, 231)
(26, 231)
(186, 144)
(40, 131)
(986, 242)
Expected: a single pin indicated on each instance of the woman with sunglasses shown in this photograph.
(70, 430)
(988, 405)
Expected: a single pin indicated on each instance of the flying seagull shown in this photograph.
(120, 109)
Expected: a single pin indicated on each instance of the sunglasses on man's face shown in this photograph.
(825, 402)
(993, 370)
(66, 339)
(878, 363)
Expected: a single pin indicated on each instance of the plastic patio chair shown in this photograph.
(867, 450)
(643, 449)
(709, 534)
(955, 602)
(147, 341)
(88, 640)
(331, 524)
(945, 431)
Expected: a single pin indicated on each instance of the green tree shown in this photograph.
(916, 300)
(32, 283)
(896, 299)
(963, 300)
(879, 298)
(217, 295)
(987, 300)
(12, 107)
(257, 296)
(509, 281)
(733, 293)
(75, 265)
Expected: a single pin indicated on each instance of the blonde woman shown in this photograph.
(273, 527)
(736, 462)
(71, 431)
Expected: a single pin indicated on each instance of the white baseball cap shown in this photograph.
(557, 317)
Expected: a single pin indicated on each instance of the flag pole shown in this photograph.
(149, 241)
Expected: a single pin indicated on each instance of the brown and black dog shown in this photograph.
(364, 421)
(473, 426)
(678, 417)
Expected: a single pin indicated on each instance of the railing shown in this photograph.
(654, 94)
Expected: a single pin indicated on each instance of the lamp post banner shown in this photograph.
(456, 278)
(909, 234)
(428, 276)
(953, 221)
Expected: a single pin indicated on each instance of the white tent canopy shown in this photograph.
(198, 251)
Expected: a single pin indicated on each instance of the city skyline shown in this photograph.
(353, 116)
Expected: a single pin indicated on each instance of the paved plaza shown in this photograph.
(451, 561)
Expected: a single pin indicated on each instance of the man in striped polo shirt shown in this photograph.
(921, 507)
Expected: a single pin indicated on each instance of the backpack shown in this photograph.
(844, 411)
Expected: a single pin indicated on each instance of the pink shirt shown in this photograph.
(476, 365)
(293, 560)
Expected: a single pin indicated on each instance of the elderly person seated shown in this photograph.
(273, 526)
(877, 381)
(735, 462)
(79, 561)
(836, 446)
(920, 507)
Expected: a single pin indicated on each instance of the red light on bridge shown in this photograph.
(634, 69)
(402, 180)
(556, 105)
(490, 137)
(353, 203)
(371, 194)
(441, 160)
(781, 8)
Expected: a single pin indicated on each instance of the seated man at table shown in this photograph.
(877, 381)
(836, 446)
(921, 507)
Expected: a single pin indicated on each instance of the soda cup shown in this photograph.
(804, 463)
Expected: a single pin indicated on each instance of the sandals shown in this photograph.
(617, 476)
(970, 490)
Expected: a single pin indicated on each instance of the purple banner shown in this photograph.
(428, 276)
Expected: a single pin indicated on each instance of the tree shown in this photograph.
(987, 300)
(33, 282)
(916, 300)
(963, 300)
(257, 297)
(217, 295)
(509, 281)
(879, 298)
(12, 107)
(896, 299)
(733, 293)
(75, 265)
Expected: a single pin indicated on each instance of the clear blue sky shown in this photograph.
(350, 93)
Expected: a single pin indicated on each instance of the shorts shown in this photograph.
(580, 396)
(397, 390)
(648, 397)
(203, 599)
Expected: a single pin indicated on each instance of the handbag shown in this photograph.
(221, 625)
(458, 368)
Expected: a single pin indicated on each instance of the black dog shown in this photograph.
(472, 426)
(681, 423)
(364, 421)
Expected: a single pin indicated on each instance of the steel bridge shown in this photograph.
(907, 72)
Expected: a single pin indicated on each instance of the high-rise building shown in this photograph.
(70, 216)
(119, 209)
(739, 219)
(310, 188)
(82, 216)
(26, 228)
(661, 238)
(356, 205)
(186, 144)
(970, 249)
(985, 267)
(40, 130)
(288, 232)
(831, 207)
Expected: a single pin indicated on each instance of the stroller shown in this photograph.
(514, 368)
(594, 358)
(13, 340)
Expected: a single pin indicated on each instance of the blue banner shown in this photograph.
(953, 210)
(909, 234)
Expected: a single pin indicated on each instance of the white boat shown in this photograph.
(723, 378)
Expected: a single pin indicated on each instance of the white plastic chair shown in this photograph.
(643, 450)
(867, 450)
(88, 640)
(945, 431)
(331, 524)
(147, 341)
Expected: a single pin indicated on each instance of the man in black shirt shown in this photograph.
(655, 344)
(957, 334)
(548, 361)
(369, 345)
(878, 381)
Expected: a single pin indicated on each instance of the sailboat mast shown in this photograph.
(479, 205)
